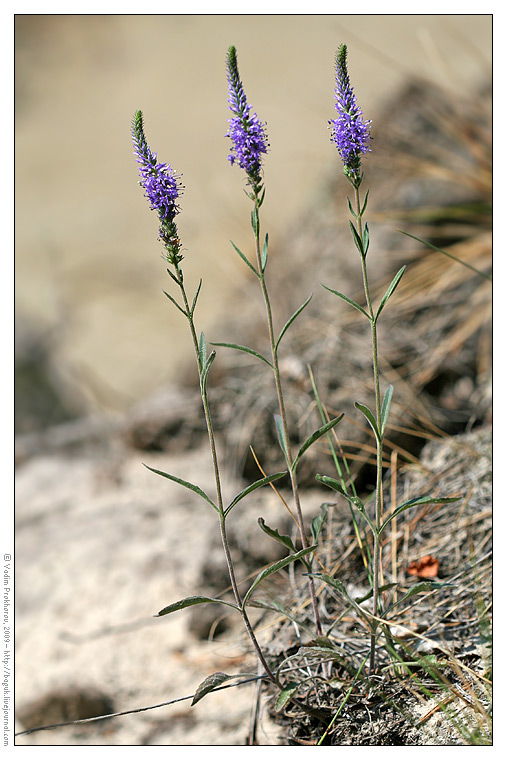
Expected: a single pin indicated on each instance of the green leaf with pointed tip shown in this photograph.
(365, 202)
(291, 320)
(173, 300)
(369, 416)
(184, 483)
(190, 601)
(357, 239)
(315, 437)
(205, 371)
(446, 253)
(255, 221)
(339, 586)
(202, 351)
(384, 414)
(349, 300)
(213, 682)
(285, 540)
(417, 502)
(274, 568)
(286, 695)
(319, 521)
(281, 437)
(264, 253)
(247, 262)
(194, 302)
(351, 209)
(419, 588)
(366, 239)
(245, 350)
(253, 487)
(390, 290)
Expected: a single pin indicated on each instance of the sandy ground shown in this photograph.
(88, 270)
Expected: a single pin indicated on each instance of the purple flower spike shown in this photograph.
(351, 134)
(246, 131)
(161, 188)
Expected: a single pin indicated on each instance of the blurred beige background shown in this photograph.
(89, 276)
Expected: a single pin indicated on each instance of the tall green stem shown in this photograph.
(216, 470)
(281, 404)
(378, 490)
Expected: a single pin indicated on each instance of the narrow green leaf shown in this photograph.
(202, 351)
(351, 209)
(173, 300)
(285, 540)
(246, 350)
(386, 404)
(357, 239)
(247, 262)
(253, 487)
(390, 290)
(264, 253)
(419, 588)
(286, 695)
(190, 601)
(291, 320)
(173, 277)
(194, 302)
(319, 522)
(365, 202)
(417, 502)
(369, 416)
(281, 437)
(184, 483)
(206, 369)
(213, 682)
(315, 437)
(446, 253)
(349, 300)
(366, 239)
(255, 221)
(274, 568)
(339, 586)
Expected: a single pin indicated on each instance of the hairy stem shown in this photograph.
(378, 489)
(283, 415)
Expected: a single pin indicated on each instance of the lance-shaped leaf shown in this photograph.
(185, 483)
(247, 262)
(349, 300)
(351, 209)
(416, 503)
(315, 437)
(286, 695)
(281, 437)
(194, 302)
(370, 417)
(246, 350)
(190, 601)
(264, 253)
(274, 568)
(253, 487)
(285, 540)
(206, 369)
(319, 521)
(357, 239)
(419, 588)
(175, 302)
(365, 202)
(390, 290)
(366, 239)
(338, 585)
(213, 682)
(202, 351)
(384, 413)
(291, 320)
(446, 253)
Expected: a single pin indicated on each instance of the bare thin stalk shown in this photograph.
(283, 415)
(379, 440)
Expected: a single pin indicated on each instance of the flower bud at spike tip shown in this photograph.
(247, 132)
(161, 186)
(351, 133)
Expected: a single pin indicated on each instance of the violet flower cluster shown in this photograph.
(246, 131)
(351, 134)
(161, 186)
